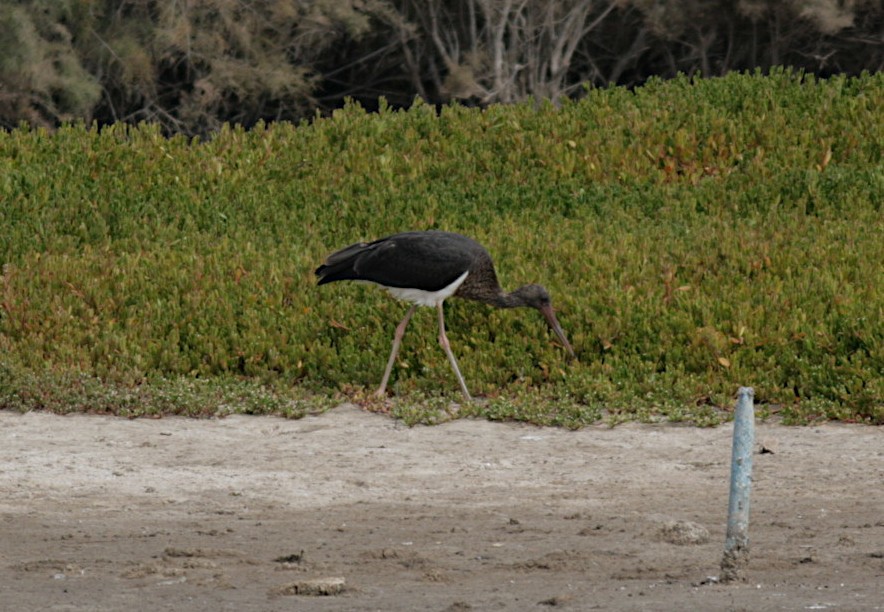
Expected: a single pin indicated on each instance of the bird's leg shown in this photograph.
(397, 339)
(443, 340)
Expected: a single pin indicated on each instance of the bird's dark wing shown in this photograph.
(416, 260)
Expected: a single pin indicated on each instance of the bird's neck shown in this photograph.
(507, 300)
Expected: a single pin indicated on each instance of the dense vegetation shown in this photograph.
(190, 66)
(695, 235)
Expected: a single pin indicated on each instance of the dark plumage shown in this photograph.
(426, 268)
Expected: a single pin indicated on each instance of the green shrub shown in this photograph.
(696, 235)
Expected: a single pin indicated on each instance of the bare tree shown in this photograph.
(507, 50)
(498, 50)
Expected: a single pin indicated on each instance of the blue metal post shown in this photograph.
(736, 545)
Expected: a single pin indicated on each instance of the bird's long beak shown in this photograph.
(550, 316)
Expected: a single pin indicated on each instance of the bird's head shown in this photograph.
(536, 296)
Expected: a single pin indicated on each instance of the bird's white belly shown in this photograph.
(427, 298)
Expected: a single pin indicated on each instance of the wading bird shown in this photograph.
(425, 268)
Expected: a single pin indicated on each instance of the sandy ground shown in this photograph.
(256, 513)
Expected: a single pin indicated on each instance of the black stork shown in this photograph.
(425, 268)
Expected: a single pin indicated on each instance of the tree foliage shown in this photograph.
(192, 66)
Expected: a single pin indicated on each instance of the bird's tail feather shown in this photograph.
(340, 264)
